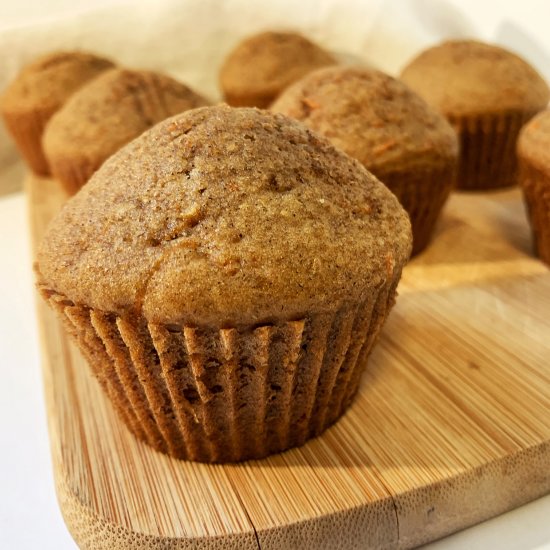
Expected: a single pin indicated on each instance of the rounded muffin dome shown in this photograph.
(534, 141)
(463, 77)
(101, 117)
(225, 216)
(371, 116)
(50, 80)
(38, 91)
(263, 65)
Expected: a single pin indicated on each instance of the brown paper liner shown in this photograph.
(26, 130)
(536, 191)
(488, 149)
(422, 192)
(229, 394)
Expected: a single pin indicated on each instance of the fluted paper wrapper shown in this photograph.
(229, 394)
(422, 192)
(488, 150)
(536, 191)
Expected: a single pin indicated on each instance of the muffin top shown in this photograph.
(371, 116)
(50, 80)
(534, 141)
(465, 77)
(225, 217)
(263, 65)
(115, 108)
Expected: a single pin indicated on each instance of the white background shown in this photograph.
(29, 516)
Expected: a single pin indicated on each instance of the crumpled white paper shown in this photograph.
(189, 39)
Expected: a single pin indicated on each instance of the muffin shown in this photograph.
(487, 93)
(105, 115)
(379, 121)
(226, 275)
(263, 65)
(38, 92)
(534, 177)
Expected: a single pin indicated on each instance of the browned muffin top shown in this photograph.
(466, 77)
(112, 110)
(50, 80)
(534, 141)
(227, 217)
(263, 65)
(372, 117)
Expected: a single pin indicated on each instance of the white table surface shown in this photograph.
(29, 515)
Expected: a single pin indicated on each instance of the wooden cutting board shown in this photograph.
(451, 425)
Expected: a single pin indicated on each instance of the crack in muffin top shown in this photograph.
(225, 217)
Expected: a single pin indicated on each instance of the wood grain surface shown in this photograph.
(451, 425)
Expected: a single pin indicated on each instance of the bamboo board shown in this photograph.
(451, 425)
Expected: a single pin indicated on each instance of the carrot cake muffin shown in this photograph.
(105, 115)
(263, 65)
(534, 178)
(39, 90)
(226, 274)
(393, 132)
(487, 93)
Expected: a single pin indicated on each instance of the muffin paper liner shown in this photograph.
(77, 323)
(422, 192)
(228, 394)
(26, 130)
(488, 149)
(536, 192)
